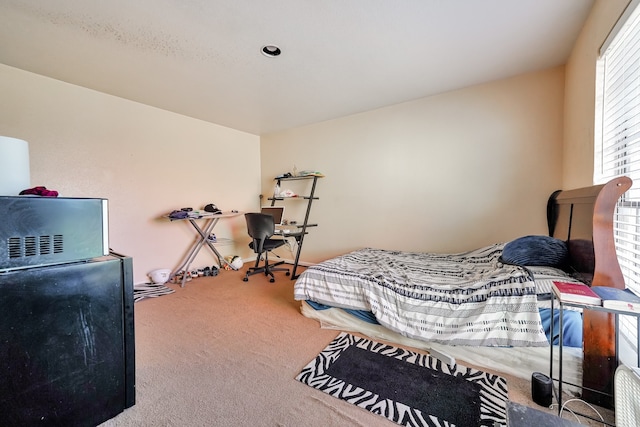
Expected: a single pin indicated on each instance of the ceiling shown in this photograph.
(202, 58)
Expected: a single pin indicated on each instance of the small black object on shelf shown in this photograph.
(212, 208)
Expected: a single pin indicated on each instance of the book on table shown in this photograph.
(618, 299)
(576, 293)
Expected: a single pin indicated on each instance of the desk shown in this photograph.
(209, 223)
(617, 314)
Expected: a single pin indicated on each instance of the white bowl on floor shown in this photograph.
(160, 275)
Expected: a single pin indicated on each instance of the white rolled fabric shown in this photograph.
(14, 166)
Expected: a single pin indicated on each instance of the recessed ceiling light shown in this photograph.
(271, 50)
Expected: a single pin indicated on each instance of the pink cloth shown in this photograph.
(40, 191)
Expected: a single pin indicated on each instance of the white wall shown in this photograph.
(445, 173)
(146, 161)
(580, 93)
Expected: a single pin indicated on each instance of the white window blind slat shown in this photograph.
(617, 144)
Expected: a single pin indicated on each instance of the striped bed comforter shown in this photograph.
(468, 298)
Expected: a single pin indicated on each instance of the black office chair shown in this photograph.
(260, 228)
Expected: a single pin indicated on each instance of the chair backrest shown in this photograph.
(626, 389)
(260, 227)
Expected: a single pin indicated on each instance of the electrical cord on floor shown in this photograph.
(290, 245)
(564, 406)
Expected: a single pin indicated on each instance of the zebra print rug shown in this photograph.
(406, 387)
(150, 290)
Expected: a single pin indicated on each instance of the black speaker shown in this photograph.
(541, 389)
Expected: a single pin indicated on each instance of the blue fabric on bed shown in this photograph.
(536, 251)
(572, 326)
(317, 305)
(367, 316)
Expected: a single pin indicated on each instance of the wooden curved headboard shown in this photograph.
(584, 219)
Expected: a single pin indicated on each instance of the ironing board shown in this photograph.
(209, 222)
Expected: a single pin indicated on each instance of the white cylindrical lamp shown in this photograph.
(14, 166)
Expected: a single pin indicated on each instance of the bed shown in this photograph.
(488, 306)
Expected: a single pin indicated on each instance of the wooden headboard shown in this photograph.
(584, 219)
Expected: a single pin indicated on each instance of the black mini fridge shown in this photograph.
(67, 346)
(67, 343)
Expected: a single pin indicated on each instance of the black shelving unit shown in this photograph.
(301, 227)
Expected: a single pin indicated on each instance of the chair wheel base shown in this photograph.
(245, 279)
(287, 274)
(272, 280)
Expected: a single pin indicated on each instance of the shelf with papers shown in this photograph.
(297, 230)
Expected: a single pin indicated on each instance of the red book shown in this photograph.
(576, 292)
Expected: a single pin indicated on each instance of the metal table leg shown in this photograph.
(560, 326)
(551, 346)
(204, 234)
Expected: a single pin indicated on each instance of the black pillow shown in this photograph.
(535, 250)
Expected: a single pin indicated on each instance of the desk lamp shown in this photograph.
(14, 166)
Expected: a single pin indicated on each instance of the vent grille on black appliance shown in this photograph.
(29, 246)
(45, 245)
(57, 244)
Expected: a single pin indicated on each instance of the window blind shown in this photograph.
(617, 143)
